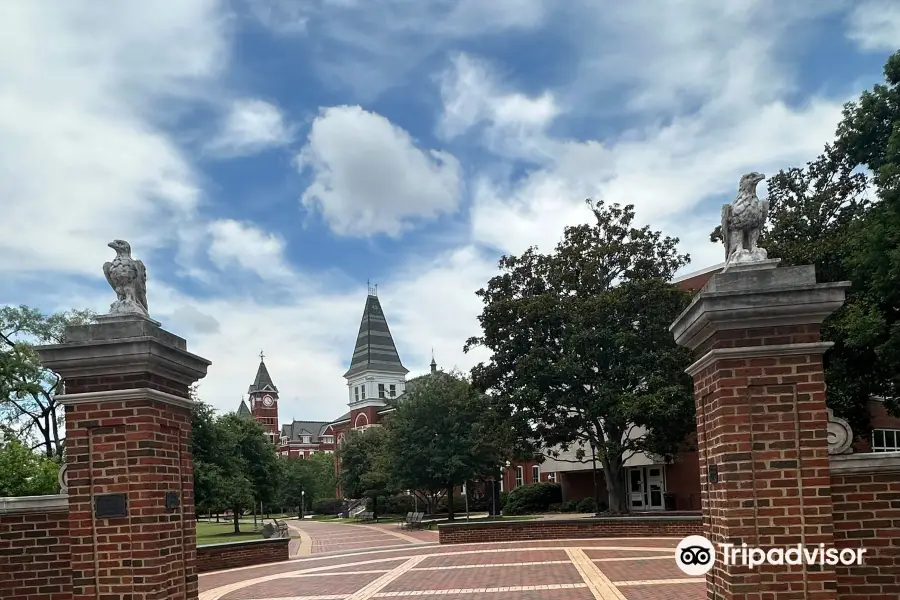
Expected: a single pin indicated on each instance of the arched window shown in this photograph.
(361, 420)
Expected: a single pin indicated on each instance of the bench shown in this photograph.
(413, 520)
(282, 528)
(365, 517)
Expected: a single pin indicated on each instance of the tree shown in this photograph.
(823, 215)
(442, 435)
(580, 345)
(248, 463)
(362, 460)
(27, 390)
(24, 472)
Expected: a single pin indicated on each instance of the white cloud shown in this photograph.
(84, 90)
(250, 126)
(370, 177)
(874, 25)
(471, 95)
(245, 245)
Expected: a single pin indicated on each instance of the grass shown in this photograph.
(219, 533)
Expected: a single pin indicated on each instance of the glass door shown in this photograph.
(636, 488)
(655, 484)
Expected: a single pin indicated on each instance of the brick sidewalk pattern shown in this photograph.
(374, 562)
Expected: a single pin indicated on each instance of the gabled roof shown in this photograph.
(244, 411)
(263, 381)
(296, 430)
(375, 347)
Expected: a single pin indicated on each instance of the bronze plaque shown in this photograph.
(172, 501)
(108, 506)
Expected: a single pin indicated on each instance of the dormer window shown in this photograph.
(356, 393)
(392, 390)
(305, 439)
(362, 389)
(381, 390)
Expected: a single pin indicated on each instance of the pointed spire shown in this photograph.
(262, 379)
(433, 362)
(374, 349)
(244, 410)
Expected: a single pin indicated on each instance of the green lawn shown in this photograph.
(218, 533)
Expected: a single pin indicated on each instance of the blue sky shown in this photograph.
(266, 157)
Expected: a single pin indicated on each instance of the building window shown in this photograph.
(886, 440)
(535, 474)
(327, 439)
(356, 394)
(381, 390)
(520, 476)
(305, 439)
(551, 477)
(393, 390)
(362, 389)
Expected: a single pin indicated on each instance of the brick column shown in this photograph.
(131, 487)
(762, 423)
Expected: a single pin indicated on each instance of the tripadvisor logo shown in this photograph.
(695, 555)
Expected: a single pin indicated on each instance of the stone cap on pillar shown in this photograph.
(122, 345)
(759, 297)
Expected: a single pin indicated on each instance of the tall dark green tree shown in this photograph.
(840, 213)
(27, 390)
(443, 435)
(581, 350)
(363, 472)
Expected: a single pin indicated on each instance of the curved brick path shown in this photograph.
(595, 569)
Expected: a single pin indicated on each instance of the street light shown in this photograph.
(302, 502)
(415, 499)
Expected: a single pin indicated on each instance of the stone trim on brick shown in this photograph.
(556, 529)
(869, 462)
(799, 349)
(34, 504)
(125, 395)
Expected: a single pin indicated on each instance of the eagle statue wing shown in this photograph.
(107, 266)
(726, 230)
(140, 284)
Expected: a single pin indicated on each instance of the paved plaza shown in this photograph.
(359, 562)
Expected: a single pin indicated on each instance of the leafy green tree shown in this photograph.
(442, 435)
(297, 483)
(27, 390)
(363, 471)
(322, 477)
(581, 350)
(24, 472)
(248, 462)
(824, 215)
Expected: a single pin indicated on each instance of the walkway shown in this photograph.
(597, 569)
(317, 537)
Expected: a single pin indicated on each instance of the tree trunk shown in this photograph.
(236, 518)
(450, 514)
(614, 471)
(596, 481)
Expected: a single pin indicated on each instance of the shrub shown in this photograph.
(327, 506)
(532, 498)
(395, 505)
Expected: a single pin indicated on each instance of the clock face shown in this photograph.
(268, 401)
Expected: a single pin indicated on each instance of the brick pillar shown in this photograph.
(131, 487)
(761, 423)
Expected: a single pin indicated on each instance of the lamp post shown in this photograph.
(415, 499)
(466, 496)
(302, 502)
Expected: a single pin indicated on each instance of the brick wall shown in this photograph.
(218, 557)
(34, 556)
(867, 515)
(557, 529)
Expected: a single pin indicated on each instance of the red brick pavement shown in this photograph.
(544, 570)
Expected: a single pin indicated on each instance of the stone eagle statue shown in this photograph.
(128, 277)
(742, 222)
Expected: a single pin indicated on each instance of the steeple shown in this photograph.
(433, 363)
(263, 380)
(375, 349)
(244, 411)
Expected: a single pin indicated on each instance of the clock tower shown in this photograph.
(264, 400)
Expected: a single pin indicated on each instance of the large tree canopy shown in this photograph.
(580, 344)
(841, 212)
(443, 434)
(27, 390)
